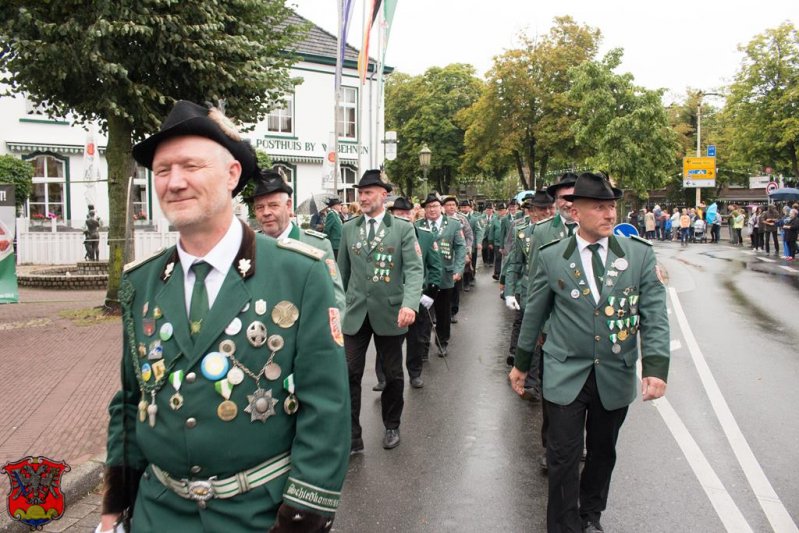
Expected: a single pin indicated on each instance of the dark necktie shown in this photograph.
(371, 236)
(199, 296)
(597, 265)
(570, 228)
(435, 228)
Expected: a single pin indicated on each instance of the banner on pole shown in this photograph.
(8, 262)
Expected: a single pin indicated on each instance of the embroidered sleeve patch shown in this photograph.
(311, 496)
(418, 249)
(335, 326)
(331, 268)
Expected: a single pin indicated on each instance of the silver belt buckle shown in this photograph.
(201, 490)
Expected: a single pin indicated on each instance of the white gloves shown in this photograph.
(512, 304)
(426, 301)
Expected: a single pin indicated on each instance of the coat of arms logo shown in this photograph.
(35, 498)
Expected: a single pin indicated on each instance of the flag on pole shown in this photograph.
(388, 17)
(345, 16)
(373, 7)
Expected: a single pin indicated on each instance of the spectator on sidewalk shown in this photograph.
(685, 227)
(791, 233)
(754, 227)
(649, 223)
(738, 218)
(675, 224)
(658, 212)
(769, 227)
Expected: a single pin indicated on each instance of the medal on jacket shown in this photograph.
(290, 404)
(285, 314)
(261, 405)
(227, 410)
(142, 408)
(176, 380)
(152, 410)
(271, 369)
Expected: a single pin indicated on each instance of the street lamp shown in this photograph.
(424, 162)
(699, 134)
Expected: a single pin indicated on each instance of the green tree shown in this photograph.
(18, 173)
(523, 118)
(762, 110)
(422, 110)
(125, 63)
(623, 128)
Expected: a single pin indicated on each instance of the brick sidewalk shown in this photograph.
(56, 378)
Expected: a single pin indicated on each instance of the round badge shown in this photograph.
(227, 411)
(575, 294)
(358, 245)
(620, 264)
(227, 347)
(234, 327)
(285, 314)
(157, 313)
(166, 332)
(616, 348)
(246, 307)
(610, 311)
(387, 279)
(290, 405)
(146, 372)
(275, 343)
(272, 371)
(256, 334)
(586, 291)
(235, 376)
(623, 335)
(375, 279)
(214, 366)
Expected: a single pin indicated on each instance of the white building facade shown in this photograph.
(296, 137)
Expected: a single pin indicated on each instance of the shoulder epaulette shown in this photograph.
(547, 245)
(300, 247)
(639, 239)
(133, 265)
(520, 222)
(545, 220)
(423, 228)
(314, 233)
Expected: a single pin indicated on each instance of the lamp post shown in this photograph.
(699, 135)
(424, 162)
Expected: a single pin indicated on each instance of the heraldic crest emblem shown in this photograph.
(35, 498)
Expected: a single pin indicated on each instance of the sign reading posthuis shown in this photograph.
(8, 262)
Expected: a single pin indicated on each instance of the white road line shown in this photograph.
(789, 269)
(675, 345)
(729, 513)
(767, 260)
(771, 504)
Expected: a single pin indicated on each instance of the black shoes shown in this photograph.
(453, 320)
(442, 350)
(417, 382)
(542, 463)
(592, 527)
(391, 439)
(356, 446)
(381, 386)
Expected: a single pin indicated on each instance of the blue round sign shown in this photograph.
(625, 230)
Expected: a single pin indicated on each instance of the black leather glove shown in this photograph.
(293, 520)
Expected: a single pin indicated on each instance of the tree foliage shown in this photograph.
(623, 128)
(524, 116)
(762, 111)
(125, 63)
(422, 109)
(18, 173)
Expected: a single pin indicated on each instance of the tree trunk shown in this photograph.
(517, 157)
(120, 167)
(531, 160)
(543, 169)
(794, 160)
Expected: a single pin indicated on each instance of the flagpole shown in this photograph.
(337, 90)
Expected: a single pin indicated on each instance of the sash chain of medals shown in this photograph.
(383, 262)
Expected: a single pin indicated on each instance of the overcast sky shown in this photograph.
(674, 45)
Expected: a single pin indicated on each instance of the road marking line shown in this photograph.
(769, 501)
(767, 260)
(789, 269)
(675, 345)
(726, 509)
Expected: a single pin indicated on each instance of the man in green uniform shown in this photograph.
(382, 271)
(496, 238)
(601, 294)
(221, 426)
(452, 245)
(272, 206)
(516, 281)
(333, 224)
(418, 337)
(475, 222)
(450, 208)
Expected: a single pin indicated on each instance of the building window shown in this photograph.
(48, 198)
(282, 120)
(141, 196)
(347, 115)
(286, 172)
(349, 177)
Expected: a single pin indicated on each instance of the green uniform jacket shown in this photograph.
(333, 226)
(632, 302)
(319, 240)
(495, 232)
(478, 228)
(452, 247)
(515, 268)
(380, 276)
(192, 441)
(433, 267)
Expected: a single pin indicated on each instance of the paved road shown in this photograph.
(718, 454)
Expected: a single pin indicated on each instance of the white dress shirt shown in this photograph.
(588, 267)
(435, 225)
(378, 220)
(220, 258)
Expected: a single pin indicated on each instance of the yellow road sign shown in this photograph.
(699, 171)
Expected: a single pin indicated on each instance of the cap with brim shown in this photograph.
(593, 187)
(373, 178)
(542, 199)
(566, 180)
(269, 182)
(465, 203)
(432, 197)
(447, 199)
(501, 205)
(514, 201)
(188, 118)
(332, 201)
(402, 204)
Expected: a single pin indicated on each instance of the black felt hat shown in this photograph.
(332, 201)
(432, 197)
(188, 118)
(568, 179)
(501, 205)
(269, 182)
(402, 203)
(593, 187)
(373, 178)
(513, 201)
(542, 199)
(465, 203)
(449, 198)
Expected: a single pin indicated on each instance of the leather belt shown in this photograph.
(202, 490)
